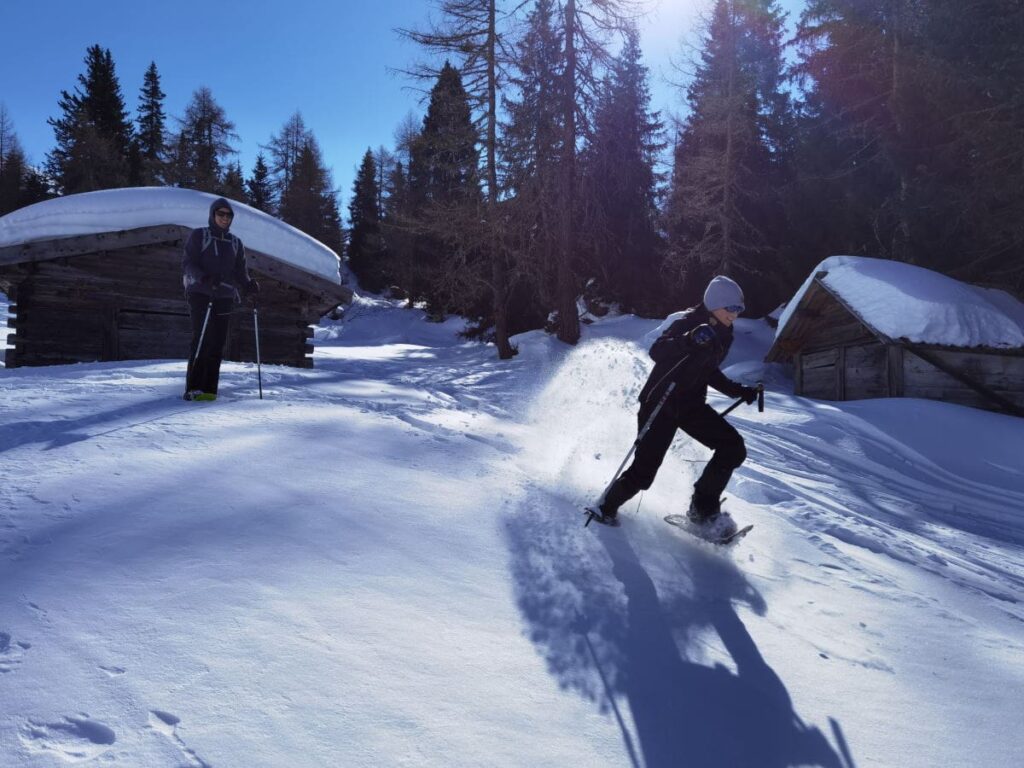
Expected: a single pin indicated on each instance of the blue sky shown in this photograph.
(262, 60)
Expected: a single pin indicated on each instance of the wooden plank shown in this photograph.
(75, 245)
(820, 382)
(812, 360)
(894, 369)
(865, 372)
(959, 381)
(821, 321)
(841, 374)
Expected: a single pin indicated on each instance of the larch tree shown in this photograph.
(725, 213)
(204, 144)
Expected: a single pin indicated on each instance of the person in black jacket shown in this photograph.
(215, 277)
(689, 354)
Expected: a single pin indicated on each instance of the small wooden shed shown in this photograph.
(98, 276)
(864, 328)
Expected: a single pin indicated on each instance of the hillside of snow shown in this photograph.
(383, 563)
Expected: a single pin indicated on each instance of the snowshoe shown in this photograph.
(720, 529)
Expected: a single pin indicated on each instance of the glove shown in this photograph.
(252, 287)
(210, 282)
(749, 394)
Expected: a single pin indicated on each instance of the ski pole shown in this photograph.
(639, 437)
(643, 432)
(202, 334)
(256, 327)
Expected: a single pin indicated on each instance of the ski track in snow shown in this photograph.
(651, 613)
(898, 505)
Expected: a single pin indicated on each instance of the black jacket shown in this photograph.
(677, 357)
(213, 252)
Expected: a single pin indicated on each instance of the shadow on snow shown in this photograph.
(608, 632)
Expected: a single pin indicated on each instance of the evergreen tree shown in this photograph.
(725, 213)
(910, 133)
(531, 149)
(203, 144)
(384, 162)
(233, 184)
(13, 169)
(365, 247)
(857, 146)
(309, 202)
(285, 148)
(12, 164)
(151, 134)
(445, 198)
(586, 24)
(20, 184)
(259, 193)
(473, 30)
(398, 229)
(620, 184)
(93, 134)
(974, 76)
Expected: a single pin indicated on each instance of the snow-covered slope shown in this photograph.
(383, 563)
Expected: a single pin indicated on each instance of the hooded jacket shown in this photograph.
(693, 367)
(214, 256)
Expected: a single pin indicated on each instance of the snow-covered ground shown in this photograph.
(382, 563)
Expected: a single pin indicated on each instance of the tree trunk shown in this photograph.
(728, 162)
(901, 233)
(498, 277)
(568, 319)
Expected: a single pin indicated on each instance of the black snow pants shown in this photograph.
(204, 364)
(704, 425)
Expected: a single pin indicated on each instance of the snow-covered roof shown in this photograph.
(901, 301)
(123, 209)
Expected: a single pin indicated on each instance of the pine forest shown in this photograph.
(540, 183)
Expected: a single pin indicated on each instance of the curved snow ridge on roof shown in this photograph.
(113, 210)
(902, 301)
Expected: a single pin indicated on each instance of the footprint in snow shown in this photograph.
(10, 653)
(75, 739)
(167, 724)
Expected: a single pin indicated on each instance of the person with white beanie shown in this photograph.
(690, 353)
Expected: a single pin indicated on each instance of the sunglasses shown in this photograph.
(224, 215)
(737, 308)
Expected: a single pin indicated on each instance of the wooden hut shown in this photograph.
(98, 276)
(864, 328)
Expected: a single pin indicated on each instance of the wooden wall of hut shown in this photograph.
(1001, 374)
(129, 304)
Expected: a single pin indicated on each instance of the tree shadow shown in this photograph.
(608, 632)
(61, 432)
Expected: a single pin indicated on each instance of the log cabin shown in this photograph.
(865, 328)
(97, 276)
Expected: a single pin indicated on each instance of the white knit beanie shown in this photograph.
(723, 292)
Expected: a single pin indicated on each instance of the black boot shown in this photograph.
(621, 491)
(703, 508)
